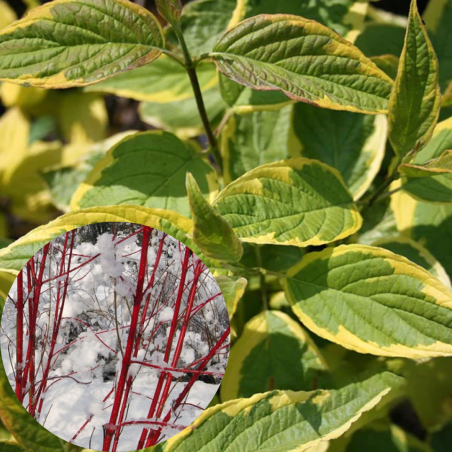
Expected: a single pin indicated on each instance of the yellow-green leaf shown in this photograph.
(67, 43)
(373, 301)
(14, 138)
(21, 96)
(305, 60)
(211, 232)
(353, 144)
(440, 165)
(7, 14)
(16, 255)
(415, 253)
(416, 99)
(292, 202)
(438, 187)
(83, 118)
(427, 223)
(63, 179)
(283, 421)
(273, 352)
(146, 169)
(232, 288)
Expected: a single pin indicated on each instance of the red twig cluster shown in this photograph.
(144, 309)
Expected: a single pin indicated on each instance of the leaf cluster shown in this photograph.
(303, 151)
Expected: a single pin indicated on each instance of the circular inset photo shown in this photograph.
(115, 336)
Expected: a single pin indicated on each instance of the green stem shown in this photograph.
(383, 187)
(190, 66)
(263, 284)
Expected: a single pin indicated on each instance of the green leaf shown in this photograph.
(303, 59)
(442, 439)
(438, 17)
(388, 64)
(373, 301)
(283, 421)
(416, 253)
(428, 389)
(353, 144)
(381, 39)
(440, 165)
(163, 81)
(292, 202)
(436, 189)
(182, 117)
(388, 438)
(416, 99)
(232, 288)
(170, 10)
(203, 22)
(63, 181)
(15, 256)
(273, 352)
(6, 437)
(247, 100)
(211, 232)
(273, 257)
(345, 17)
(69, 43)
(251, 139)
(146, 169)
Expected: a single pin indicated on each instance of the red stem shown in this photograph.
(153, 439)
(57, 324)
(33, 311)
(169, 377)
(19, 335)
(130, 342)
(162, 376)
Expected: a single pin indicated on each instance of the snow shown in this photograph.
(188, 355)
(110, 266)
(124, 287)
(166, 314)
(85, 370)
